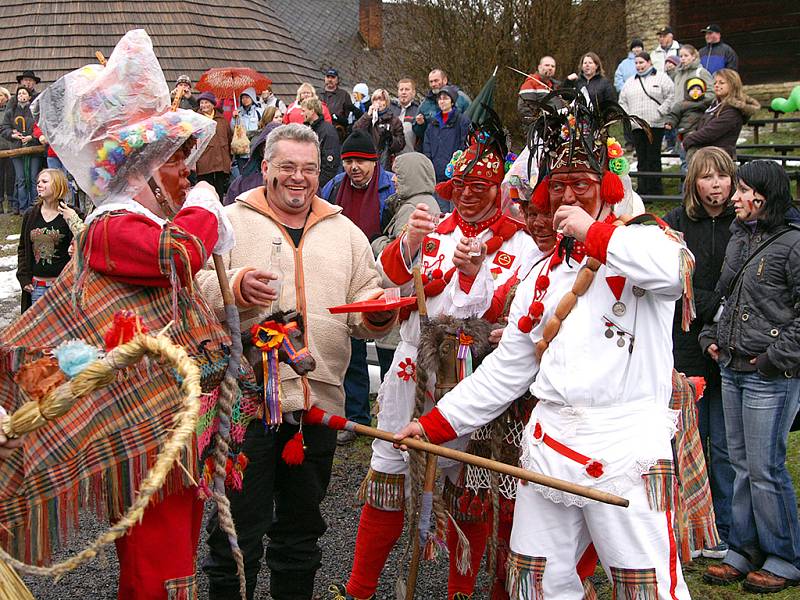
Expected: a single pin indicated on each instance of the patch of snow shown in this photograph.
(7, 247)
(14, 237)
(8, 263)
(9, 286)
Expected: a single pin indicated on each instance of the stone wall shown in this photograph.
(765, 92)
(643, 18)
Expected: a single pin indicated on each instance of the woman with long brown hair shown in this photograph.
(705, 220)
(723, 120)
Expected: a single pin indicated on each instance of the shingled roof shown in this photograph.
(329, 32)
(53, 37)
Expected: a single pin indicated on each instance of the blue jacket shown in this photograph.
(443, 139)
(385, 187)
(718, 56)
(429, 107)
(625, 70)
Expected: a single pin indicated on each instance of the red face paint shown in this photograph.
(173, 178)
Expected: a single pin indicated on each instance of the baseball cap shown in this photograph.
(665, 30)
(331, 73)
(713, 28)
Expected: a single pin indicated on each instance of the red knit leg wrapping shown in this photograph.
(476, 533)
(161, 548)
(587, 563)
(378, 531)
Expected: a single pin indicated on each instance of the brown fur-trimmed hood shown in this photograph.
(747, 105)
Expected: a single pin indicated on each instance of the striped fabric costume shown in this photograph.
(115, 133)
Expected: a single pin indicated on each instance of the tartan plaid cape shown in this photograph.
(96, 455)
(695, 519)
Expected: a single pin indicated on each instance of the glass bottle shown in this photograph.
(275, 268)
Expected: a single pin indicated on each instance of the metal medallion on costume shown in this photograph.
(593, 329)
(386, 486)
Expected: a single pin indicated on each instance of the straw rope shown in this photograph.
(97, 375)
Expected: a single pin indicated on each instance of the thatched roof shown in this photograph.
(53, 37)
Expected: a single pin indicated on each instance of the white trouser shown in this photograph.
(635, 538)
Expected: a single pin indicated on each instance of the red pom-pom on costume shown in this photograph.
(437, 274)
(445, 189)
(611, 188)
(125, 326)
(525, 324)
(536, 310)
(541, 196)
(294, 452)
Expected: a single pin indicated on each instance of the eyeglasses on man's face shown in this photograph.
(287, 169)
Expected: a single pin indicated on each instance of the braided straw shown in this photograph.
(97, 375)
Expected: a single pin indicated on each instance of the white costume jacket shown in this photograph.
(604, 383)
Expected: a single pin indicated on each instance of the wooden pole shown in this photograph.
(38, 149)
(492, 465)
(430, 459)
(413, 568)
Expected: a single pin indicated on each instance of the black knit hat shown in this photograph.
(359, 145)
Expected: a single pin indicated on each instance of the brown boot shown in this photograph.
(722, 574)
(764, 582)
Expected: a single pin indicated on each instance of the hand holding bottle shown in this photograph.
(257, 287)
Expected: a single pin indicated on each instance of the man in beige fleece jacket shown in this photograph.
(329, 262)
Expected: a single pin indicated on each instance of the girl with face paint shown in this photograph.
(756, 343)
(705, 221)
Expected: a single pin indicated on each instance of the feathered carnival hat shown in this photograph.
(571, 133)
(485, 158)
(112, 126)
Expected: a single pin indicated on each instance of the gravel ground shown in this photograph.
(98, 579)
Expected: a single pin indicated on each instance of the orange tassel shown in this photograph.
(611, 188)
(294, 452)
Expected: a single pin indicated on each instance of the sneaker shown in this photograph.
(697, 553)
(719, 551)
(345, 437)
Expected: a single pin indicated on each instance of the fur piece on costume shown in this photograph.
(438, 345)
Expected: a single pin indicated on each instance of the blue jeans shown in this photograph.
(765, 532)
(356, 384)
(711, 423)
(26, 168)
(39, 291)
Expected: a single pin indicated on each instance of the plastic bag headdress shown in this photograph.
(570, 132)
(112, 126)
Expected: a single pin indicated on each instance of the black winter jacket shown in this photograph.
(330, 151)
(599, 88)
(761, 315)
(707, 238)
